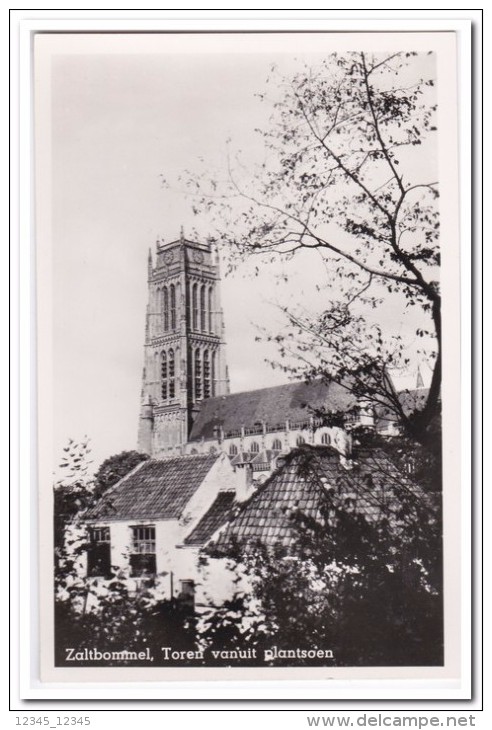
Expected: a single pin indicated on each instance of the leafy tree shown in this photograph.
(109, 616)
(115, 468)
(342, 178)
(74, 491)
(423, 465)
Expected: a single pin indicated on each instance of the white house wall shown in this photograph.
(221, 477)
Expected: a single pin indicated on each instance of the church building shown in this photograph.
(186, 406)
(218, 459)
(184, 344)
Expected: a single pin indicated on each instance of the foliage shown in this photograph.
(115, 468)
(424, 465)
(74, 491)
(348, 176)
(108, 615)
(99, 613)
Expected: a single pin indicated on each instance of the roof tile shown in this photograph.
(292, 401)
(159, 489)
(371, 486)
(217, 516)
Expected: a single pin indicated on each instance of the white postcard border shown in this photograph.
(429, 688)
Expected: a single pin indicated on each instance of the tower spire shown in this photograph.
(184, 343)
(149, 263)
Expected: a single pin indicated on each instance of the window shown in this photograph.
(212, 389)
(202, 308)
(232, 450)
(198, 375)
(172, 369)
(188, 306)
(255, 448)
(206, 375)
(142, 558)
(173, 307)
(325, 439)
(195, 306)
(163, 376)
(99, 552)
(187, 593)
(165, 309)
(210, 309)
(300, 441)
(277, 445)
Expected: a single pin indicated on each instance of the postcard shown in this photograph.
(247, 276)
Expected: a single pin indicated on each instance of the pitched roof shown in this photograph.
(158, 489)
(292, 401)
(314, 479)
(218, 514)
(410, 400)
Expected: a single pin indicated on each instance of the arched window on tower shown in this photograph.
(164, 376)
(212, 374)
(232, 450)
(172, 373)
(188, 305)
(300, 441)
(254, 448)
(156, 310)
(178, 305)
(198, 375)
(165, 309)
(210, 310)
(277, 445)
(203, 317)
(194, 290)
(173, 306)
(325, 439)
(206, 375)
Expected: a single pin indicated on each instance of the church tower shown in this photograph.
(184, 344)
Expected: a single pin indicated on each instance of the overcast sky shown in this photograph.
(120, 120)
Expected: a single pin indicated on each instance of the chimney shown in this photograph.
(342, 441)
(244, 483)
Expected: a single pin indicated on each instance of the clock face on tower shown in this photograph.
(168, 257)
(198, 257)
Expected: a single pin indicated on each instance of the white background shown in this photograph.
(25, 688)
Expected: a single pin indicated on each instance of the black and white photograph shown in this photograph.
(247, 250)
